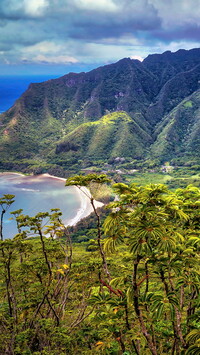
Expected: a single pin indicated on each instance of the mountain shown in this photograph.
(178, 134)
(127, 109)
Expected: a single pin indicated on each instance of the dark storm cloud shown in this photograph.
(187, 33)
(50, 31)
(125, 18)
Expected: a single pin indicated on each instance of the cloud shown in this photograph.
(13, 9)
(177, 13)
(138, 57)
(42, 59)
(47, 52)
(43, 47)
(89, 31)
(91, 5)
(35, 7)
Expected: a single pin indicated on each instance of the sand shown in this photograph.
(83, 194)
(86, 208)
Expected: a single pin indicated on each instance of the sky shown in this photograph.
(59, 36)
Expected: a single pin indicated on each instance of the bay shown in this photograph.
(39, 194)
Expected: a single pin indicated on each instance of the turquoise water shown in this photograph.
(37, 194)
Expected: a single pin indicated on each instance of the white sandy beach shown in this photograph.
(83, 194)
(86, 207)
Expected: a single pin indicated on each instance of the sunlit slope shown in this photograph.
(178, 134)
(115, 134)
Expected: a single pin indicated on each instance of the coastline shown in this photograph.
(86, 207)
(83, 194)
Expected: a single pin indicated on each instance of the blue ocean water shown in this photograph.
(38, 194)
(11, 88)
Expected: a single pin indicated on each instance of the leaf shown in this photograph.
(61, 271)
(159, 310)
(65, 266)
(99, 343)
(129, 296)
(172, 311)
(188, 251)
(193, 336)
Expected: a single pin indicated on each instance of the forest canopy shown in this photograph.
(136, 291)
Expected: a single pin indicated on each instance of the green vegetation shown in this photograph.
(133, 288)
(149, 178)
(115, 134)
(177, 134)
(127, 282)
(179, 177)
(188, 104)
(143, 111)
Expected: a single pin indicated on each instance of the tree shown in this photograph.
(160, 229)
(5, 202)
(55, 301)
(37, 287)
(82, 182)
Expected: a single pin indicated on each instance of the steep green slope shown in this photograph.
(178, 133)
(142, 103)
(172, 93)
(26, 137)
(115, 134)
(49, 111)
(77, 98)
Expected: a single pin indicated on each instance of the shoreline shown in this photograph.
(85, 208)
(84, 195)
(82, 192)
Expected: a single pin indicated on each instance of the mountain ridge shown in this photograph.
(52, 115)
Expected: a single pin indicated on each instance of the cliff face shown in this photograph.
(62, 118)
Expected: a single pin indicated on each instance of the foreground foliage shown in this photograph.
(136, 292)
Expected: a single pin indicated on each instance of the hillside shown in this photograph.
(127, 109)
(178, 133)
(114, 134)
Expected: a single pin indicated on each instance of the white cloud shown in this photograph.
(16, 9)
(43, 47)
(97, 5)
(138, 57)
(58, 59)
(35, 7)
(48, 52)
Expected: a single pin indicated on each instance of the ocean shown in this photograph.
(11, 87)
(39, 193)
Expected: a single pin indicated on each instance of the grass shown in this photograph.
(173, 181)
(148, 178)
